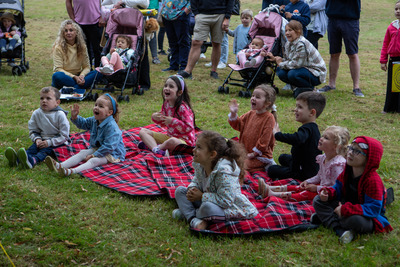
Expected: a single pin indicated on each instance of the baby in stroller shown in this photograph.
(9, 34)
(253, 56)
(118, 57)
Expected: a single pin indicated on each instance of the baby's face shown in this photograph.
(256, 44)
(122, 43)
(7, 23)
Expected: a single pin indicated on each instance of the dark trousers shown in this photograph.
(36, 155)
(179, 41)
(144, 73)
(313, 37)
(301, 77)
(282, 171)
(160, 38)
(93, 34)
(325, 212)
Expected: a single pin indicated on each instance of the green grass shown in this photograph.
(49, 221)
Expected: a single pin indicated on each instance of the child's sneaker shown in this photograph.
(198, 224)
(143, 146)
(247, 64)
(11, 156)
(107, 69)
(24, 159)
(253, 62)
(52, 164)
(346, 237)
(177, 214)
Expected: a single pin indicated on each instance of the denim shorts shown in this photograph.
(343, 29)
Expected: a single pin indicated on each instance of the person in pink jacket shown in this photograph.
(176, 115)
(391, 49)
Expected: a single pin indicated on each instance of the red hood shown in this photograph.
(375, 152)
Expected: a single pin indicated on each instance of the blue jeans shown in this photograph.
(301, 77)
(224, 49)
(11, 43)
(60, 79)
(179, 41)
(36, 155)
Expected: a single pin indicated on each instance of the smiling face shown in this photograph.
(302, 113)
(201, 154)
(170, 92)
(258, 101)
(70, 34)
(48, 101)
(246, 20)
(327, 142)
(355, 158)
(290, 34)
(101, 109)
(7, 23)
(397, 10)
(122, 43)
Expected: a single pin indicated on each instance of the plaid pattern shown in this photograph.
(144, 173)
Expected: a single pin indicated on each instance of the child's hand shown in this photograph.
(247, 55)
(41, 143)
(263, 54)
(323, 195)
(89, 157)
(288, 15)
(251, 155)
(74, 111)
(112, 50)
(311, 187)
(194, 194)
(167, 120)
(303, 185)
(13, 33)
(157, 116)
(383, 67)
(338, 210)
(233, 106)
(276, 129)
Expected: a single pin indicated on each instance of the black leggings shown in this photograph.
(357, 223)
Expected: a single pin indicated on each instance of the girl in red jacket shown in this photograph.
(356, 203)
(391, 48)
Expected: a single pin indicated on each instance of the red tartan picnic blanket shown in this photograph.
(144, 173)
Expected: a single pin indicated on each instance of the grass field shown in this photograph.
(49, 221)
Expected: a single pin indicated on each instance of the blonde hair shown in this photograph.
(247, 13)
(341, 138)
(270, 94)
(79, 41)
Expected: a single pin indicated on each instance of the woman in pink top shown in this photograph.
(176, 115)
(333, 143)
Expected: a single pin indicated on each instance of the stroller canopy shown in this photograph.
(125, 20)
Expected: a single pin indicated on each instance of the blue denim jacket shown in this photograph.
(106, 137)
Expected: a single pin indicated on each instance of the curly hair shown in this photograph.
(79, 41)
(341, 138)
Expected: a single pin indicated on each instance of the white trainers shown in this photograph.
(197, 223)
(202, 55)
(221, 65)
(177, 214)
(208, 64)
(107, 69)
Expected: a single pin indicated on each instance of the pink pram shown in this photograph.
(267, 26)
(126, 21)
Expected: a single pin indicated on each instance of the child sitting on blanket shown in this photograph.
(333, 143)
(176, 115)
(214, 193)
(119, 57)
(256, 128)
(106, 144)
(301, 163)
(48, 129)
(356, 203)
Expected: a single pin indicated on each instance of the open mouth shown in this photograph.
(167, 93)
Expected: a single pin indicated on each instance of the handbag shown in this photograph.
(236, 8)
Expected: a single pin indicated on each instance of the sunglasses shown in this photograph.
(355, 151)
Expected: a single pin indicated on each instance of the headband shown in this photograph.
(181, 80)
(114, 105)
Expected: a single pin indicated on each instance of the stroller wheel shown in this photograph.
(220, 89)
(140, 91)
(89, 96)
(120, 98)
(111, 89)
(247, 94)
(241, 93)
(23, 68)
(95, 96)
(126, 98)
(226, 90)
(17, 71)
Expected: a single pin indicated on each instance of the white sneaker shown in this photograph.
(208, 64)
(287, 87)
(247, 64)
(221, 65)
(197, 223)
(202, 55)
(177, 214)
(107, 69)
(347, 237)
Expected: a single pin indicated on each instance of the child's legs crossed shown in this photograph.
(209, 210)
(358, 224)
(171, 143)
(326, 212)
(90, 164)
(75, 159)
(147, 137)
(187, 207)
